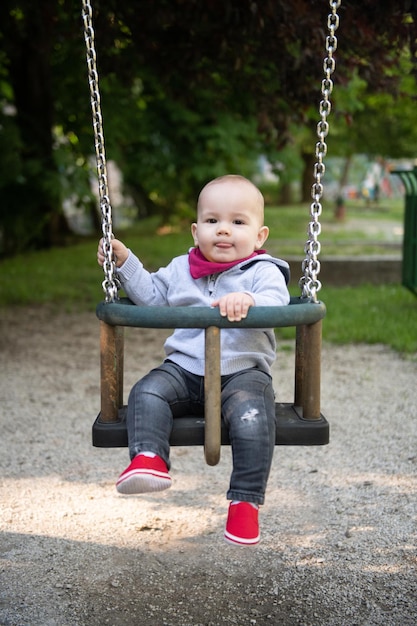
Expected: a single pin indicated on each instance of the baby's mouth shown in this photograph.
(223, 245)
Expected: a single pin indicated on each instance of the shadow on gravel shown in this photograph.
(55, 582)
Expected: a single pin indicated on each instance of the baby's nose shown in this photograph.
(223, 227)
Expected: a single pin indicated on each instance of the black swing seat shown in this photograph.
(291, 430)
(294, 426)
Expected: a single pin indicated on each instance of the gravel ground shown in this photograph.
(338, 526)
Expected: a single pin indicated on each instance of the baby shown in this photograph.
(227, 269)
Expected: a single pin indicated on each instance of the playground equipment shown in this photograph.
(299, 422)
(409, 264)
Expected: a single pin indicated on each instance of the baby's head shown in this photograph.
(230, 219)
(233, 186)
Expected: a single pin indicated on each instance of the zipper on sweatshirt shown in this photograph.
(211, 284)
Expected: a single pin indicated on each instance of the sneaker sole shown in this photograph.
(240, 541)
(142, 481)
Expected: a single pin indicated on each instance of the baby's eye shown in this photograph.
(211, 220)
(238, 222)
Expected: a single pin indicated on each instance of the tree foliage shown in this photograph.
(190, 89)
(380, 123)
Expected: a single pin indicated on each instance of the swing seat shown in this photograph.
(298, 423)
(292, 430)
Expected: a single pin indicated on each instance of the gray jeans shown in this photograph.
(248, 409)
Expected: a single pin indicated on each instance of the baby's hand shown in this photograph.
(234, 305)
(119, 250)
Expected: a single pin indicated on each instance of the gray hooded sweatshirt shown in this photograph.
(263, 277)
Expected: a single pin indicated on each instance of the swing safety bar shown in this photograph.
(300, 423)
(125, 313)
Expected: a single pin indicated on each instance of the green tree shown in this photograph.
(190, 88)
(378, 124)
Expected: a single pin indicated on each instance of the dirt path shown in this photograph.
(338, 526)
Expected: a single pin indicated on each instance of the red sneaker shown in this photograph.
(143, 475)
(242, 526)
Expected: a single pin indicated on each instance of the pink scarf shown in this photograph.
(199, 266)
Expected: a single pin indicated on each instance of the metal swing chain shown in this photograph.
(110, 283)
(309, 282)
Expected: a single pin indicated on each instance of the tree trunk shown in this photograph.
(307, 181)
(340, 208)
(145, 206)
(285, 195)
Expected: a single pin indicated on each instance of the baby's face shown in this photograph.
(229, 224)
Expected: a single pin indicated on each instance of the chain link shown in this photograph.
(110, 283)
(309, 282)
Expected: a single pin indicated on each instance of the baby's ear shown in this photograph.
(194, 233)
(262, 236)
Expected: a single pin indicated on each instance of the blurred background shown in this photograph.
(191, 90)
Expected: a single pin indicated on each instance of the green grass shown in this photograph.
(70, 278)
(370, 314)
(353, 236)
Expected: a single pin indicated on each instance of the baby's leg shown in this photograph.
(152, 402)
(248, 407)
(151, 405)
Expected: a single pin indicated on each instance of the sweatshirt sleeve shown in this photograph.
(141, 286)
(269, 286)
